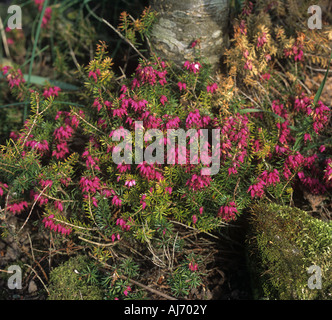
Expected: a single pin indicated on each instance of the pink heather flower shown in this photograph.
(39, 4)
(97, 104)
(120, 112)
(321, 117)
(38, 198)
(17, 208)
(246, 54)
(296, 52)
(193, 266)
(270, 178)
(93, 75)
(307, 137)
(5, 69)
(169, 189)
(266, 76)
(194, 119)
(243, 27)
(122, 223)
(248, 65)
(148, 171)
(322, 148)
(124, 89)
(264, 180)
(130, 183)
(123, 167)
(279, 109)
(147, 74)
(248, 9)
(42, 147)
(94, 202)
(63, 133)
(45, 183)
(58, 205)
(15, 78)
(61, 150)
(47, 14)
(198, 182)
(59, 228)
(261, 40)
(51, 92)
(313, 184)
(126, 291)
(107, 193)
(172, 123)
(90, 185)
(182, 86)
(294, 162)
(116, 201)
(284, 132)
(2, 185)
(194, 217)
(212, 88)
(142, 202)
(192, 66)
(257, 190)
(228, 213)
(201, 210)
(163, 99)
(194, 44)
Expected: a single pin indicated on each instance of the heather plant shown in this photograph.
(76, 167)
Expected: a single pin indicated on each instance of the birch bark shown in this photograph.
(183, 21)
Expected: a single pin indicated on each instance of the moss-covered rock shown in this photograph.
(66, 283)
(283, 243)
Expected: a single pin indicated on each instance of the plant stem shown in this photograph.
(25, 113)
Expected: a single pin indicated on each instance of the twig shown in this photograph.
(38, 278)
(76, 114)
(251, 99)
(6, 271)
(26, 220)
(318, 70)
(4, 39)
(33, 255)
(305, 87)
(197, 231)
(123, 38)
(97, 243)
(75, 226)
(115, 30)
(157, 292)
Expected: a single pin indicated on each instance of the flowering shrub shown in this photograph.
(85, 169)
(80, 183)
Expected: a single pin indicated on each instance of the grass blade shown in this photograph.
(322, 85)
(25, 113)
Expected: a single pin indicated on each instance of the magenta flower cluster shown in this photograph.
(50, 223)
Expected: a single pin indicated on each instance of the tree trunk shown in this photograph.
(181, 22)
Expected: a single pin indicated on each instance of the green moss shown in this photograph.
(283, 243)
(67, 284)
